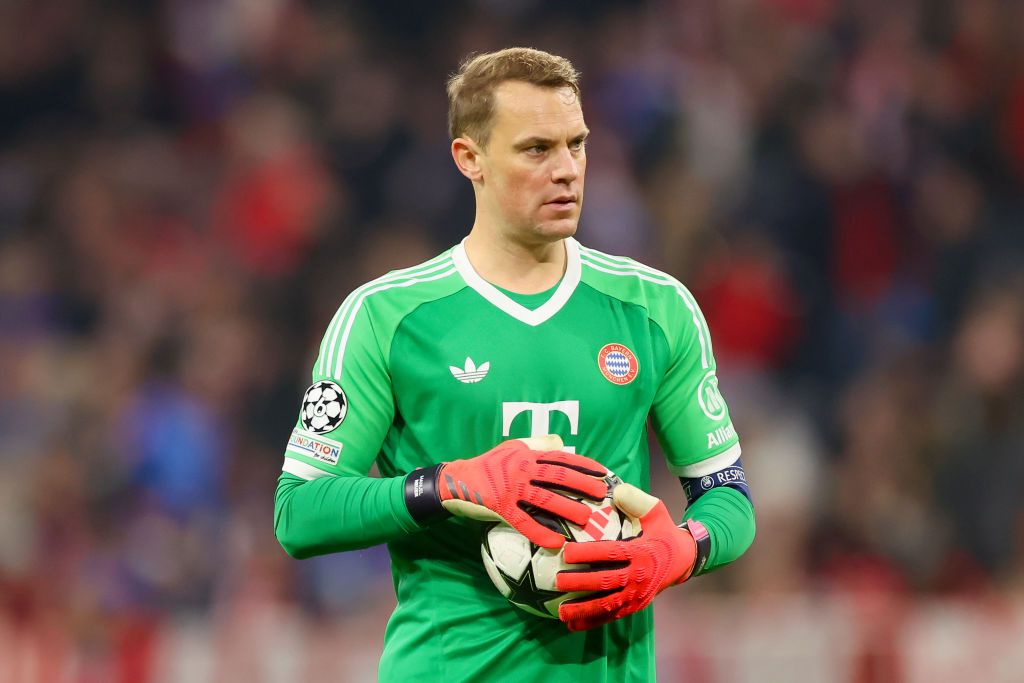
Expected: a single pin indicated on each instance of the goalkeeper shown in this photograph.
(513, 367)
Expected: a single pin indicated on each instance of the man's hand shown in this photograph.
(515, 474)
(661, 556)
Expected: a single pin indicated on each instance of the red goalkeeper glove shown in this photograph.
(661, 556)
(498, 485)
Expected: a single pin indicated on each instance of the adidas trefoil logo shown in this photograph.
(472, 373)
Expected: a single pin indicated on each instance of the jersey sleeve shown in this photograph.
(348, 408)
(689, 414)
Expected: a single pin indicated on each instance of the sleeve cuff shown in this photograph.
(708, 465)
(303, 470)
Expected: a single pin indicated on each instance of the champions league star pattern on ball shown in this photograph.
(323, 407)
(525, 573)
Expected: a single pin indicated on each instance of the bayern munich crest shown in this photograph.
(617, 363)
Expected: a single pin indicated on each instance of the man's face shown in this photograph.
(534, 163)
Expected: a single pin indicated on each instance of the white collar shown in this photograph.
(497, 297)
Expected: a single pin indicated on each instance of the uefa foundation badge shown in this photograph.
(617, 363)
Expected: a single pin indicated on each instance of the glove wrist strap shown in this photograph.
(422, 495)
(703, 540)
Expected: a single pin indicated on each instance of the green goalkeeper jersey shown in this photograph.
(433, 363)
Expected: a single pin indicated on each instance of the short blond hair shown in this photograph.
(471, 90)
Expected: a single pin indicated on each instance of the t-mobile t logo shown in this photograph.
(540, 417)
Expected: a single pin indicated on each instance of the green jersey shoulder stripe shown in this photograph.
(340, 316)
(408, 282)
(634, 269)
(346, 312)
(624, 267)
(626, 262)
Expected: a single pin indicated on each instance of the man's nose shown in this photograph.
(566, 168)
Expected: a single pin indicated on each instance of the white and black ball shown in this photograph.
(525, 573)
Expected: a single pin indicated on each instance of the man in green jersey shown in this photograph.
(437, 373)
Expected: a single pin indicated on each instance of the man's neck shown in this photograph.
(515, 266)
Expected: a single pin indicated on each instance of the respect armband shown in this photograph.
(732, 477)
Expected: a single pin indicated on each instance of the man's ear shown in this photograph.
(466, 154)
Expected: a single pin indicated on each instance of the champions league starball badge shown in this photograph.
(324, 407)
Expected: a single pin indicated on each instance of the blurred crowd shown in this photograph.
(189, 189)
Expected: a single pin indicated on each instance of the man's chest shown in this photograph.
(586, 373)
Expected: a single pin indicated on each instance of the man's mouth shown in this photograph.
(563, 202)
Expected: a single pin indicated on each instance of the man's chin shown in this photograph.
(558, 230)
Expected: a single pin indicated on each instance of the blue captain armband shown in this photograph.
(732, 476)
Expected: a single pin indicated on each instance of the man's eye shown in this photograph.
(536, 149)
(576, 144)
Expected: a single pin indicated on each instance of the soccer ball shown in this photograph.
(525, 573)
(324, 407)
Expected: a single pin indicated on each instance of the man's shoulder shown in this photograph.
(385, 300)
(626, 277)
(667, 302)
(433, 277)
(375, 310)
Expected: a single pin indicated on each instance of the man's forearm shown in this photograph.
(729, 518)
(334, 514)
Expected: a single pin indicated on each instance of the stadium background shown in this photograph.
(189, 188)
